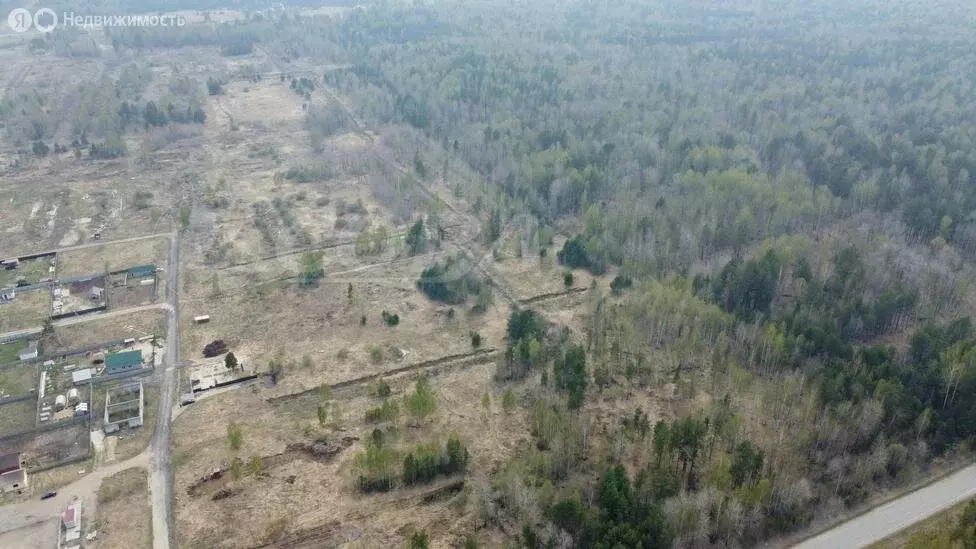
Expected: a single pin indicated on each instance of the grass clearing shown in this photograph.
(107, 328)
(10, 352)
(27, 310)
(123, 517)
(112, 257)
(16, 380)
(30, 271)
(16, 417)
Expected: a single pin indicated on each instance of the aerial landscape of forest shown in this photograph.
(488, 273)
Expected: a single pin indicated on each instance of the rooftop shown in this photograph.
(124, 359)
(9, 462)
(142, 270)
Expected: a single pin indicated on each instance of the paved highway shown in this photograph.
(898, 514)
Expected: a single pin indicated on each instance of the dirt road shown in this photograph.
(160, 470)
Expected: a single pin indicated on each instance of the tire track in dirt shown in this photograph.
(331, 245)
(551, 296)
(334, 533)
(436, 366)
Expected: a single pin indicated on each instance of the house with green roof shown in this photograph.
(141, 271)
(120, 362)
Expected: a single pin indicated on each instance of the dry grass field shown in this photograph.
(101, 328)
(41, 534)
(17, 380)
(112, 257)
(123, 517)
(27, 310)
(17, 417)
(290, 479)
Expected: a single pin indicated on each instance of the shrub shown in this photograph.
(575, 255)
(391, 319)
(475, 340)
(450, 282)
(387, 411)
(376, 355)
(422, 403)
(383, 389)
(376, 467)
(235, 435)
(621, 283)
(214, 86)
(508, 401)
(419, 540)
(425, 462)
(142, 200)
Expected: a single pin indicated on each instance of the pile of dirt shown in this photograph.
(323, 449)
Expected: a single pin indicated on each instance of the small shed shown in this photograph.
(81, 376)
(201, 319)
(10, 264)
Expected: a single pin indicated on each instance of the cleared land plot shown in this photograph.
(123, 517)
(274, 506)
(99, 329)
(10, 352)
(17, 417)
(270, 101)
(275, 320)
(531, 276)
(112, 257)
(27, 310)
(50, 448)
(16, 380)
(41, 534)
(31, 272)
(131, 294)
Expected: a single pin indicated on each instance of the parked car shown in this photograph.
(49, 494)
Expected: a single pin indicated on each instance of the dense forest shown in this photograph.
(788, 190)
(783, 192)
